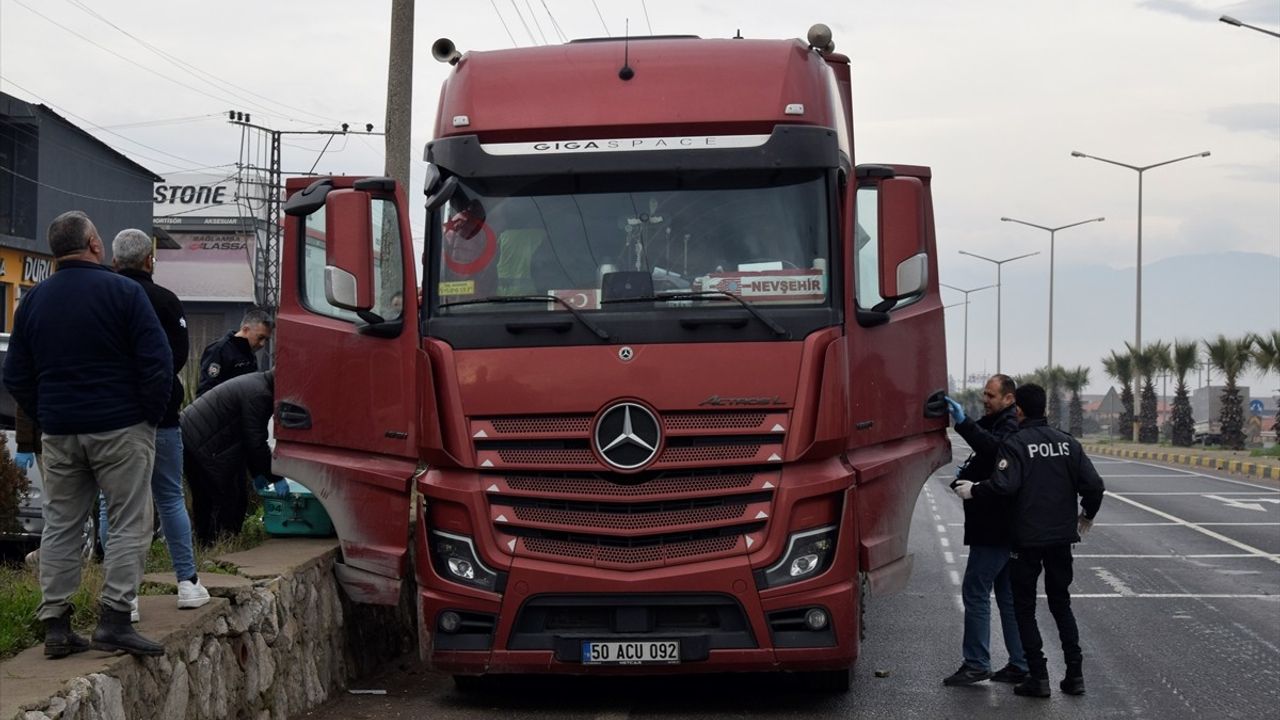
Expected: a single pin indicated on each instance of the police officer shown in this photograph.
(987, 534)
(233, 354)
(1045, 470)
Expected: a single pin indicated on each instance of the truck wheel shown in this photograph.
(830, 681)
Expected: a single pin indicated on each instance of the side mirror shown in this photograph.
(904, 265)
(440, 195)
(348, 271)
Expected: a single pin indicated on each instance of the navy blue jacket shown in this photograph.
(987, 520)
(87, 353)
(174, 321)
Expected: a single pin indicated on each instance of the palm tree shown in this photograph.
(1054, 379)
(1076, 380)
(1120, 367)
(1266, 358)
(1147, 361)
(1231, 357)
(1185, 356)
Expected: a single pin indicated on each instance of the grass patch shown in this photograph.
(1271, 452)
(20, 586)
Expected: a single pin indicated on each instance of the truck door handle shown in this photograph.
(294, 416)
(935, 406)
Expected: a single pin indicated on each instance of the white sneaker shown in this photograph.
(33, 559)
(191, 594)
(133, 610)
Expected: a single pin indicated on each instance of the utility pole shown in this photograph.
(400, 92)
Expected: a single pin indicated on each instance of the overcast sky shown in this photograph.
(993, 94)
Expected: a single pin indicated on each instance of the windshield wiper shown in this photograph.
(595, 329)
(777, 329)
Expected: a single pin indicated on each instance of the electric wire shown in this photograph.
(601, 16)
(529, 6)
(166, 121)
(645, 6)
(39, 141)
(73, 193)
(554, 24)
(532, 40)
(494, 3)
(193, 70)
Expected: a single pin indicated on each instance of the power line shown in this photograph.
(76, 151)
(192, 69)
(532, 40)
(645, 5)
(528, 6)
(166, 121)
(90, 123)
(554, 24)
(55, 188)
(494, 3)
(602, 23)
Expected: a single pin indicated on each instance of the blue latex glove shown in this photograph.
(957, 412)
(260, 483)
(282, 487)
(959, 469)
(24, 459)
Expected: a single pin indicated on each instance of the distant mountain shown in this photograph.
(1190, 297)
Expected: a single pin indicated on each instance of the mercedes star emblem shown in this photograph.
(627, 436)
(625, 353)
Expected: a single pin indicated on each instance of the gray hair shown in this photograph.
(256, 316)
(69, 233)
(131, 248)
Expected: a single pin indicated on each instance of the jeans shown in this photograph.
(987, 569)
(166, 492)
(1025, 567)
(76, 468)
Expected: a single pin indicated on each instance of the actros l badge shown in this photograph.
(627, 436)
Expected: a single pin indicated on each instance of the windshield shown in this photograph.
(761, 236)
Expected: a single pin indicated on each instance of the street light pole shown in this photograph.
(999, 305)
(965, 364)
(1232, 21)
(1137, 334)
(1052, 232)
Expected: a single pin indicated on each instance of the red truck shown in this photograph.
(673, 381)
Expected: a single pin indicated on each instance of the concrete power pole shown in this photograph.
(400, 92)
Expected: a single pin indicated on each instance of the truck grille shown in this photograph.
(643, 522)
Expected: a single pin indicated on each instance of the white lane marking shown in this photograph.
(1184, 522)
(955, 524)
(1205, 556)
(949, 557)
(936, 516)
(1164, 596)
(1193, 473)
(955, 577)
(1254, 504)
(942, 528)
(1200, 528)
(1205, 493)
(945, 542)
(1112, 581)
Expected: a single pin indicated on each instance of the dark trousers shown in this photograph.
(218, 503)
(1025, 573)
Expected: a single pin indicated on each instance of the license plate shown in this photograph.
(631, 652)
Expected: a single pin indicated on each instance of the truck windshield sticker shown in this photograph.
(456, 288)
(681, 142)
(779, 286)
(587, 299)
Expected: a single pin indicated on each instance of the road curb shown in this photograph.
(1241, 467)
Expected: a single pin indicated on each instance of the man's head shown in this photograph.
(72, 236)
(998, 393)
(256, 328)
(132, 250)
(1031, 401)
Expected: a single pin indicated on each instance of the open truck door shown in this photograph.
(348, 370)
(894, 324)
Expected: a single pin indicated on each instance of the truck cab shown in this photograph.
(672, 383)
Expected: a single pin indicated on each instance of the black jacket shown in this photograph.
(225, 430)
(174, 322)
(1045, 470)
(87, 353)
(227, 357)
(987, 520)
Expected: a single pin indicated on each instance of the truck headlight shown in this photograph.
(809, 553)
(454, 558)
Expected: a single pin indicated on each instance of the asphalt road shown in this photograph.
(1177, 594)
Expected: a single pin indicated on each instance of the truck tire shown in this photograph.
(829, 681)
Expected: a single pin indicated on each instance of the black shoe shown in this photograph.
(60, 640)
(1009, 674)
(115, 632)
(966, 675)
(1072, 685)
(1032, 687)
